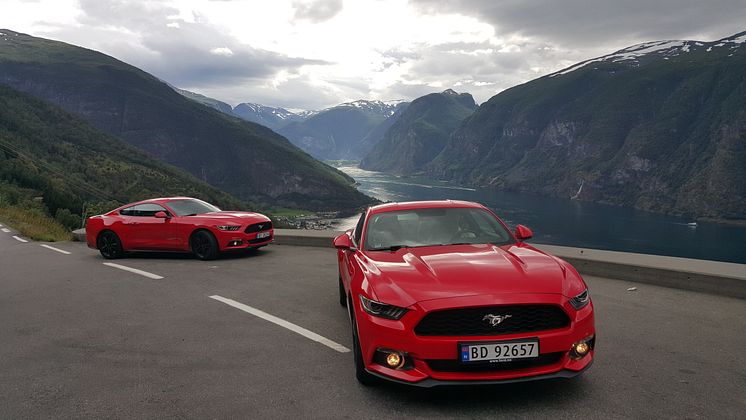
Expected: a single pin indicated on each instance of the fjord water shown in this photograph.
(572, 223)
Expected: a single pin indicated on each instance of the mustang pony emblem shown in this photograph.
(493, 320)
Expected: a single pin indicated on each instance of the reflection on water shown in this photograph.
(571, 223)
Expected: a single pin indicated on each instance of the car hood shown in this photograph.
(241, 217)
(412, 275)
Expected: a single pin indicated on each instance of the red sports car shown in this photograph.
(176, 224)
(441, 292)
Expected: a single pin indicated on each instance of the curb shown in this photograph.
(712, 277)
(79, 235)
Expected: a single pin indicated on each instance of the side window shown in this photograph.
(147, 210)
(358, 229)
(129, 211)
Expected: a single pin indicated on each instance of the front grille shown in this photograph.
(448, 365)
(470, 321)
(258, 227)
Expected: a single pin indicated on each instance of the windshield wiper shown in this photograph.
(391, 248)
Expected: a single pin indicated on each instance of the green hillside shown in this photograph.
(53, 164)
(245, 159)
(420, 133)
(659, 126)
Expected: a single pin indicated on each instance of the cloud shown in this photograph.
(317, 53)
(224, 51)
(580, 23)
(316, 11)
(184, 50)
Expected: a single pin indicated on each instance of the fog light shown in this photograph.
(581, 348)
(394, 360)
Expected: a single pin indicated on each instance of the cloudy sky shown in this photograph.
(310, 54)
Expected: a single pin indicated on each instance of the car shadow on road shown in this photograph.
(454, 399)
(229, 255)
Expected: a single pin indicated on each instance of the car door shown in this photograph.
(150, 232)
(123, 227)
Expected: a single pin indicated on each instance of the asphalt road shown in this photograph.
(79, 339)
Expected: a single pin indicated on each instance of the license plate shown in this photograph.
(499, 351)
(261, 235)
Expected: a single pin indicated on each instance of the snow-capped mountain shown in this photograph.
(646, 52)
(271, 117)
(659, 126)
(338, 132)
(384, 108)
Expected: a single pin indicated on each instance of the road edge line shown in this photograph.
(282, 323)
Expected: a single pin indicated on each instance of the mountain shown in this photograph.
(274, 118)
(366, 144)
(335, 133)
(47, 152)
(206, 100)
(245, 159)
(267, 116)
(660, 126)
(420, 133)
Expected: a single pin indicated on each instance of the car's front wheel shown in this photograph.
(362, 375)
(109, 245)
(204, 245)
(342, 296)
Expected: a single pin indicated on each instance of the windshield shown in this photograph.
(191, 207)
(429, 227)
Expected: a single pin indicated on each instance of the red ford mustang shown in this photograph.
(441, 292)
(176, 224)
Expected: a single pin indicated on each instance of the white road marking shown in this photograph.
(285, 324)
(134, 270)
(6, 230)
(61, 251)
(1, 225)
(19, 239)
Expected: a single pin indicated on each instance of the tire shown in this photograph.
(204, 245)
(363, 376)
(109, 245)
(342, 296)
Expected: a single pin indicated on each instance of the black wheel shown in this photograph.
(109, 245)
(362, 375)
(204, 245)
(342, 297)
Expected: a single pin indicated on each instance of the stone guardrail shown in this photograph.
(714, 277)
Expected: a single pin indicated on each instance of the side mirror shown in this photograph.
(161, 215)
(344, 241)
(523, 233)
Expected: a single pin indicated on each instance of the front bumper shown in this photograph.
(434, 360)
(239, 240)
(430, 383)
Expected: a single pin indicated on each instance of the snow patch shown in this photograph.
(633, 53)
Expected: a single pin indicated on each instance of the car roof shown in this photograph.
(431, 204)
(161, 200)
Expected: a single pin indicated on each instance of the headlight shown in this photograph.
(228, 228)
(382, 310)
(579, 301)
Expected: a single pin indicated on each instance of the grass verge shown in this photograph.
(34, 225)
